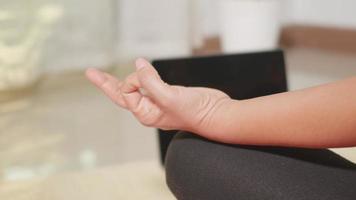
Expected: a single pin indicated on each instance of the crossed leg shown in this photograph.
(197, 168)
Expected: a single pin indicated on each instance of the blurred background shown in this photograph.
(61, 139)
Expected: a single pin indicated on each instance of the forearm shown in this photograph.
(323, 116)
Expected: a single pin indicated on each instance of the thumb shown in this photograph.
(152, 83)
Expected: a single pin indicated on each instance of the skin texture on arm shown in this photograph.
(318, 117)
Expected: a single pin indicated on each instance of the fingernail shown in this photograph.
(140, 63)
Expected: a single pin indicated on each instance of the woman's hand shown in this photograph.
(317, 117)
(157, 104)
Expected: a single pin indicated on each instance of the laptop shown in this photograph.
(241, 76)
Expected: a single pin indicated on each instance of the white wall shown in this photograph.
(82, 37)
(154, 28)
(341, 13)
(90, 39)
(322, 12)
(209, 21)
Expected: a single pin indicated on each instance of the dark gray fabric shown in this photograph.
(200, 169)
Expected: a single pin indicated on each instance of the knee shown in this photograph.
(198, 169)
(182, 164)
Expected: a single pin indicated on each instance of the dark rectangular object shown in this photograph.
(241, 76)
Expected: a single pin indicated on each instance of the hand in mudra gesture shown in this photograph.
(317, 117)
(157, 104)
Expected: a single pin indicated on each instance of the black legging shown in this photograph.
(199, 169)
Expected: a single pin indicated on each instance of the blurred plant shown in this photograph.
(23, 30)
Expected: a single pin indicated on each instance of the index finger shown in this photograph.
(108, 84)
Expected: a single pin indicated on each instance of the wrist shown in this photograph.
(218, 125)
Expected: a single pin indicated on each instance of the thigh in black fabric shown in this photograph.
(200, 169)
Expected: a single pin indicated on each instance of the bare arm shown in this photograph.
(323, 116)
